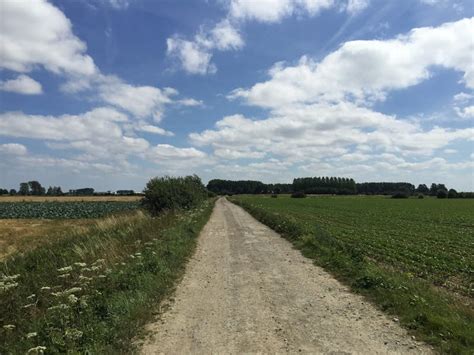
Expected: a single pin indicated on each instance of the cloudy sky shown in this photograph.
(107, 93)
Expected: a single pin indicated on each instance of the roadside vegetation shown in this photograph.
(92, 292)
(412, 257)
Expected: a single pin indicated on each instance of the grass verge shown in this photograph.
(92, 293)
(429, 313)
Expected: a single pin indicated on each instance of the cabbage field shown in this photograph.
(67, 210)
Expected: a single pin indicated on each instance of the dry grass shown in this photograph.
(26, 234)
(6, 198)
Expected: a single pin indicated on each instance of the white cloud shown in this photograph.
(154, 130)
(356, 6)
(193, 57)
(465, 112)
(275, 10)
(38, 34)
(190, 102)
(118, 4)
(22, 84)
(169, 152)
(366, 70)
(141, 101)
(13, 149)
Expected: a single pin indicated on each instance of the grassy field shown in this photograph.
(413, 257)
(93, 291)
(23, 235)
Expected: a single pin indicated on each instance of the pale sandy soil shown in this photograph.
(246, 290)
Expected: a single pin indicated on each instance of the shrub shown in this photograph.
(452, 193)
(298, 194)
(420, 196)
(442, 194)
(173, 193)
(274, 195)
(400, 195)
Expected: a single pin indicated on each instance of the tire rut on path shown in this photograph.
(246, 290)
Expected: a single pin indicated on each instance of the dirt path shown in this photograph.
(247, 290)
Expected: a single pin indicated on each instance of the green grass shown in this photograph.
(93, 293)
(69, 210)
(414, 258)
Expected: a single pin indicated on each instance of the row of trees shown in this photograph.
(332, 185)
(325, 185)
(34, 188)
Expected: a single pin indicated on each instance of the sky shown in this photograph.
(109, 93)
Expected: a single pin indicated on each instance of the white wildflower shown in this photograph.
(11, 277)
(29, 305)
(65, 269)
(9, 327)
(63, 276)
(86, 269)
(85, 278)
(31, 335)
(102, 276)
(30, 297)
(72, 290)
(95, 268)
(72, 299)
(73, 334)
(37, 350)
(45, 288)
(60, 306)
(80, 264)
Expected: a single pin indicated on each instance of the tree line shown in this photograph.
(34, 188)
(333, 186)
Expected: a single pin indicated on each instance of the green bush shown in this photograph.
(298, 194)
(400, 195)
(442, 194)
(173, 193)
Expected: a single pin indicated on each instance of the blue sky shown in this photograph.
(107, 93)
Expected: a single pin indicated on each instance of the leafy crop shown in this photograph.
(70, 210)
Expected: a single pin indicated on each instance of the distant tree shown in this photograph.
(452, 193)
(442, 193)
(24, 189)
(3, 192)
(423, 189)
(12, 192)
(36, 189)
(49, 192)
(57, 191)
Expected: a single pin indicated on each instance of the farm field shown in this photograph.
(67, 210)
(429, 238)
(413, 257)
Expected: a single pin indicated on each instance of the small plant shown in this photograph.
(298, 194)
(400, 195)
(274, 195)
(421, 196)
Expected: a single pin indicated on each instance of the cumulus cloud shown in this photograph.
(153, 129)
(28, 41)
(13, 149)
(366, 70)
(195, 55)
(22, 84)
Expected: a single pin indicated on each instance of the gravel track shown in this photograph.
(246, 290)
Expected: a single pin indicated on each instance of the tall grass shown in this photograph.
(93, 292)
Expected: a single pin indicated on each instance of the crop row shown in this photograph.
(69, 210)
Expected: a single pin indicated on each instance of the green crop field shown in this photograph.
(428, 238)
(69, 210)
(414, 257)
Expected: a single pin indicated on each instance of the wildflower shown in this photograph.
(9, 327)
(80, 264)
(72, 290)
(123, 264)
(31, 335)
(99, 261)
(108, 271)
(29, 305)
(72, 299)
(102, 276)
(85, 278)
(10, 278)
(45, 288)
(95, 268)
(63, 276)
(37, 350)
(6, 287)
(73, 333)
(30, 297)
(60, 306)
(65, 269)
(86, 269)
(83, 302)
